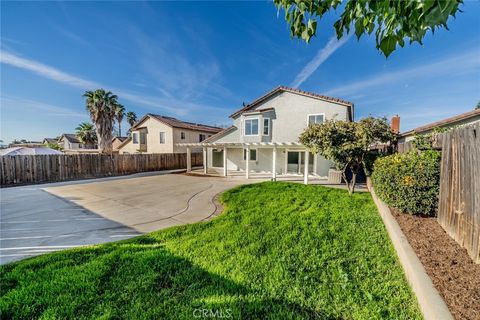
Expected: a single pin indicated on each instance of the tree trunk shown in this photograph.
(351, 188)
(119, 129)
(104, 135)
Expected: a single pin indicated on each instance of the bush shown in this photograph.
(409, 182)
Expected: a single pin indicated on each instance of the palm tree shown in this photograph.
(101, 106)
(119, 114)
(86, 134)
(131, 118)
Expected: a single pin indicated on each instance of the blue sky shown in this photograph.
(199, 61)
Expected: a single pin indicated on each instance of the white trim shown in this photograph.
(245, 125)
(315, 114)
(263, 127)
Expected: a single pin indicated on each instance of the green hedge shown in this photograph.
(409, 182)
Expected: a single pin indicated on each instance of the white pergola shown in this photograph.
(246, 146)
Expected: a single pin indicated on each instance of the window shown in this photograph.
(201, 137)
(251, 127)
(315, 118)
(143, 138)
(182, 135)
(266, 126)
(253, 154)
(162, 137)
(135, 138)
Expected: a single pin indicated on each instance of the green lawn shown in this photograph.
(279, 251)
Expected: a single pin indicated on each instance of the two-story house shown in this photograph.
(265, 134)
(160, 134)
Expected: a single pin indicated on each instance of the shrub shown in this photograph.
(409, 182)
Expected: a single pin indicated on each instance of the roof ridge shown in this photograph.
(293, 90)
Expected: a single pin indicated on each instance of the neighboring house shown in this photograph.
(265, 133)
(50, 141)
(71, 144)
(69, 141)
(160, 134)
(117, 141)
(458, 120)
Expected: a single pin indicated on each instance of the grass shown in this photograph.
(279, 251)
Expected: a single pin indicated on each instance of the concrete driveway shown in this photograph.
(44, 218)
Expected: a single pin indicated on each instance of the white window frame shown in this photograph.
(245, 127)
(135, 137)
(245, 154)
(164, 137)
(200, 137)
(182, 135)
(263, 127)
(315, 114)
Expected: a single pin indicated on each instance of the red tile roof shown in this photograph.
(297, 91)
(175, 123)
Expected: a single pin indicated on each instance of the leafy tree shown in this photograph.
(86, 134)
(119, 114)
(131, 118)
(347, 143)
(478, 106)
(393, 21)
(101, 106)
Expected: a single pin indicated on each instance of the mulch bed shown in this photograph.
(452, 271)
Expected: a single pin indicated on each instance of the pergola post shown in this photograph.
(205, 163)
(225, 161)
(274, 164)
(305, 175)
(247, 163)
(189, 159)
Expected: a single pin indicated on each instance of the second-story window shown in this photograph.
(251, 127)
(315, 118)
(182, 135)
(135, 138)
(162, 137)
(201, 137)
(266, 126)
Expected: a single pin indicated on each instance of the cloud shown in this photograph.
(168, 104)
(46, 71)
(332, 45)
(460, 64)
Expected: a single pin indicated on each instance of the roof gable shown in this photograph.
(281, 89)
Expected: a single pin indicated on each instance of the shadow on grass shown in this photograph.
(137, 278)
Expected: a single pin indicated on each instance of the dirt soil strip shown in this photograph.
(453, 273)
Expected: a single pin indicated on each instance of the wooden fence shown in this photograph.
(19, 170)
(459, 201)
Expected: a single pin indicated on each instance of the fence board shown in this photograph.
(16, 170)
(459, 199)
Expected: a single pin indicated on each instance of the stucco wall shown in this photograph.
(191, 136)
(288, 119)
(172, 137)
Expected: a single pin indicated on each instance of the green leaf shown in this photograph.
(388, 44)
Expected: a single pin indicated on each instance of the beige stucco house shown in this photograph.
(462, 119)
(160, 134)
(264, 137)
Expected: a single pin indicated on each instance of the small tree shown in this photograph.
(347, 143)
